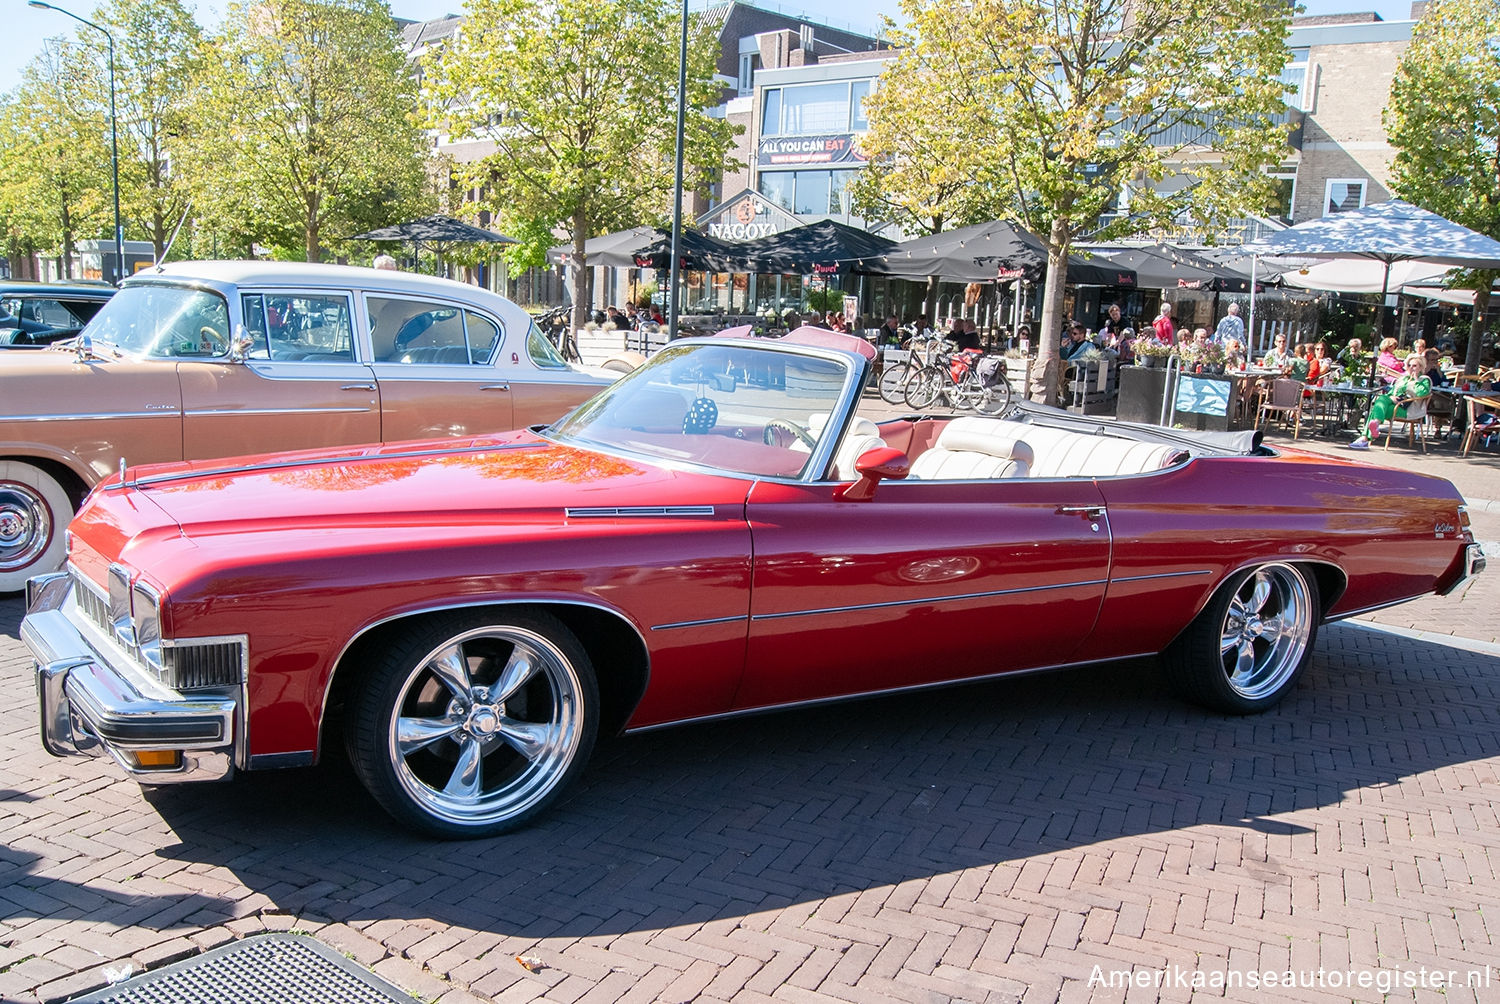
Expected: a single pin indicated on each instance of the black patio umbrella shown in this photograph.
(824, 246)
(985, 252)
(436, 232)
(651, 247)
(1157, 270)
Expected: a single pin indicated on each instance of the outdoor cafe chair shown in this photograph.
(1285, 401)
(1415, 421)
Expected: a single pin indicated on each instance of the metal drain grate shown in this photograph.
(265, 969)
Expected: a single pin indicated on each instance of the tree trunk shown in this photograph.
(1476, 331)
(1044, 374)
(580, 270)
(930, 303)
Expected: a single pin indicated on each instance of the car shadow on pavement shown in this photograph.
(718, 821)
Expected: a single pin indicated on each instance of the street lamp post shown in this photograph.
(674, 272)
(114, 131)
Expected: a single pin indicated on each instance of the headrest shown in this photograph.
(978, 439)
(859, 426)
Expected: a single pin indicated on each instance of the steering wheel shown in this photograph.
(787, 425)
(215, 338)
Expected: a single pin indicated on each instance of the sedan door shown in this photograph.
(432, 361)
(300, 386)
(928, 581)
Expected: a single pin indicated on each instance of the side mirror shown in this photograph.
(874, 466)
(240, 345)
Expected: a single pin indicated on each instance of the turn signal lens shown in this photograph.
(158, 759)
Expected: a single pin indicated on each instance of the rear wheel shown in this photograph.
(34, 512)
(1252, 642)
(474, 723)
(995, 400)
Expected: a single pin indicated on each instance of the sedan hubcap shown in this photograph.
(25, 526)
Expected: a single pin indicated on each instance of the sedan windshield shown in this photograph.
(162, 321)
(728, 405)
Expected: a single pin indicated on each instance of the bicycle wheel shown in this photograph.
(924, 387)
(995, 399)
(893, 383)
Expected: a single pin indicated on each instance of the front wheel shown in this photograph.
(34, 512)
(1252, 642)
(473, 724)
(924, 387)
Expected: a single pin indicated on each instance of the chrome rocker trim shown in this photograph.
(90, 708)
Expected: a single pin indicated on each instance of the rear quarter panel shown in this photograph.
(1177, 535)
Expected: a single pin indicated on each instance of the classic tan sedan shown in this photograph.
(215, 359)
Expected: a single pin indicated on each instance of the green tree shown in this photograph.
(54, 159)
(305, 124)
(579, 99)
(1056, 107)
(157, 54)
(1443, 118)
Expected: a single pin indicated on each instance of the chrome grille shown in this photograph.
(93, 605)
(190, 665)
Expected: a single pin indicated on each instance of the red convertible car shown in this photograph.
(718, 533)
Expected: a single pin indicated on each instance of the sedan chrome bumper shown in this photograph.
(1474, 562)
(89, 706)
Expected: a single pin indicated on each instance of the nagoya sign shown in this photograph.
(781, 150)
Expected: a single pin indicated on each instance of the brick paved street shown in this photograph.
(984, 844)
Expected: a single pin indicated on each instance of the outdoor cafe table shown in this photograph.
(1338, 404)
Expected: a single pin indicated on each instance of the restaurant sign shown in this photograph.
(781, 151)
(746, 217)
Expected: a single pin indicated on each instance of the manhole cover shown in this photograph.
(265, 969)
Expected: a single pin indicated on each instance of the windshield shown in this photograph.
(729, 405)
(162, 321)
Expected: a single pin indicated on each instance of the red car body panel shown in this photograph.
(749, 590)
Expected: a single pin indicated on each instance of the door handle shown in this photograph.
(1091, 511)
(496, 386)
(358, 386)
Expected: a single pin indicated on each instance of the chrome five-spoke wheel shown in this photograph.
(1251, 643)
(475, 727)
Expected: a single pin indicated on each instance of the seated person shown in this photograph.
(1075, 341)
(1278, 358)
(1388, 368)
(1411, 387)
(965, 336)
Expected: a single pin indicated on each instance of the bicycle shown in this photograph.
(922, 349)
(968, 381)
(555, 326)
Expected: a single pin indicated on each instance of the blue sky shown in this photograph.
(29, 26)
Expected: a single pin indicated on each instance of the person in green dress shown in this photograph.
(1413, 385)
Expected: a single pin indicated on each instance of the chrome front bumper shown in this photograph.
(91, 707)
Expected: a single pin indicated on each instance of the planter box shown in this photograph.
(1204, 401)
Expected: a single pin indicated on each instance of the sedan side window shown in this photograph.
(298, 327)
(427, 333)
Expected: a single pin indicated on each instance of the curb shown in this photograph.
(1482, 505)
(1432, 637)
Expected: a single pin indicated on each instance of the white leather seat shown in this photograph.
(973, 449)
(1048, 452)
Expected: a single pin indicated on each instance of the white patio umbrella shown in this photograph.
(1387, 232)
(1364, 275)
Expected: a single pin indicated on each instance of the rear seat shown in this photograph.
(1047, 453)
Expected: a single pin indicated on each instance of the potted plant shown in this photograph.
(1149, 352)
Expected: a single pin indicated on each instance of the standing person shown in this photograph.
(1231, 327)
(384, 261)
(1110, 329)
(1166, 331)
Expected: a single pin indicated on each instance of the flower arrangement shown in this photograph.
(1147, 347)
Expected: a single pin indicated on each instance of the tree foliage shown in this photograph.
(578, 98)
(1052, 108)
(1443, 118)
(157, 56)
(54, 159)
(305, 130)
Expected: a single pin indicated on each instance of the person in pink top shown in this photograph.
(1166, 331)
(1387, 367)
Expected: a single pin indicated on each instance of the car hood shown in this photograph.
(512, 477)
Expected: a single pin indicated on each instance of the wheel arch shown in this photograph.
(64, 473)
(1326, 575)
(614, 645)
